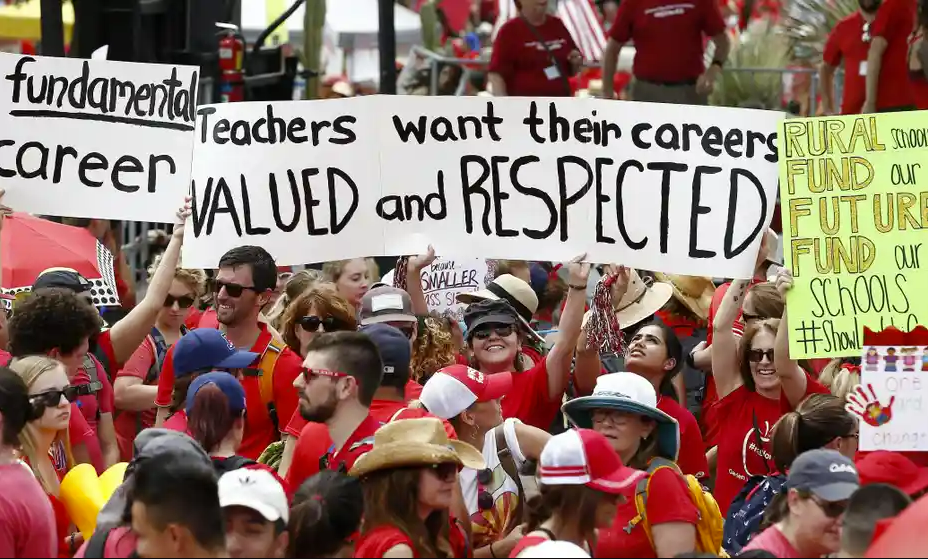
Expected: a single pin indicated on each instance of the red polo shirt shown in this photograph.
(668, 36)
(894, 21)
(521, 59)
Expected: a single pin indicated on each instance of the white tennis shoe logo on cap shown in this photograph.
(475, 375)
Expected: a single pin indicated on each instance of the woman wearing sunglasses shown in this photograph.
(807, 520)
(44, 441)
(136, 385)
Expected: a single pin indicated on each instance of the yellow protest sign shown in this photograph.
(854, 201)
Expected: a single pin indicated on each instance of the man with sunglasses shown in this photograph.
(243, 285)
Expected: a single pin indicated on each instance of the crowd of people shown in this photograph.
(322, 413)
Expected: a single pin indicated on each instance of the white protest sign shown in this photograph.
(446, 278)
(682, 189)
(96, 138)
(891, 399)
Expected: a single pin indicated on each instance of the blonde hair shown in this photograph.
(434, 348)
(30, 369)
(193, 278)
(334, 269)
(297, 284)
(839, 380)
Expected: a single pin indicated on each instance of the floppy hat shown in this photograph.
(631, 393)
(453, 389)
(584, 457)
(386, 304)
(893, 468)
(693, 291)
(416, 442)
(509, 288)
(207, 348)
(489, 311)
(641, 300)
(827, 474)
(257, 490)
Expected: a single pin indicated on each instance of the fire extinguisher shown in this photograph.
(231, 61)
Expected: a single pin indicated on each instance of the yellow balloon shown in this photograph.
(84, 494)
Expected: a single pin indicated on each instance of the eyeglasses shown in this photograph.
(757, 355)
(503, 331)
(446, 472)
(832, 509)
(184, 301)
(232, 289)
(311, 324)
(484, 498)
(52, 398)
(601, 417)
(308, 374)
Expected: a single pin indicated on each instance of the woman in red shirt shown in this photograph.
(409, 478)
(136, 385)
(533, 54)
(624, 409)
(44, 441)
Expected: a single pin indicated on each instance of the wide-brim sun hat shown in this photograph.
(627, 392)
(416, 442)
(695, 292)
(514, 290)
(641, 300)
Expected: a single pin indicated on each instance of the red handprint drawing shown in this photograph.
(868, 406)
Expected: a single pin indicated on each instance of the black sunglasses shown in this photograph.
(233, 289)
(757, 355)
(484, 498)
(52, 398)
(311, 324)
(502, 331)
(832, 509)
(447, 471)
(184, 302)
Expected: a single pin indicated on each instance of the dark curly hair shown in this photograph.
(52, 318)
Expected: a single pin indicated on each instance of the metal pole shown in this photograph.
(52, 28)
(387, 44)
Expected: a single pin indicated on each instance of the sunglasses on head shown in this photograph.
(447, 471)
(757, 355)
(501, 330)
(484, 498)
(832, 509)
(232, 289)
(311, 324)
(52, 398)
(184, 301)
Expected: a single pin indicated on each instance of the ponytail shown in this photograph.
(15, 406)
(326, 512)
(816, 422)
(785, 441)
(210, 418)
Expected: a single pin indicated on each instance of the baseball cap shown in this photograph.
(827, 474)
(552, 548)
(229, 385)
(208, 348)
(393, 346)
(386, 304)
(585, 457)
(454, 389)
(257, 490)
(489, 311)
(892, 468)
(64, 278)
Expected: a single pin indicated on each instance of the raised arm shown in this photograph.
(559, 358)
(793, 379)
(725, 361)
(588, 365)
(413, 282)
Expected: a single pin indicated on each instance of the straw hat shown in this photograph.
(693, 291)
(416, 442)
(641, 300)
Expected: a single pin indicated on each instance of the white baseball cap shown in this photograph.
(452, 390)
(585, 457)
(257, 490)
(550, 548)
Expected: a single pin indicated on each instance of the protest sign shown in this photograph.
(891, 397)
(445, 279)
(853, 219)
(96, 138)
(649, 186)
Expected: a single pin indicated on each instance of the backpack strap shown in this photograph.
(641, 495)
(90, 365)
(265, 373)
(509, 466)
(97, 544)
(160, 347)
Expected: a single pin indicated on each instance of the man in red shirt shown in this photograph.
(873, 45)
(247, 275)
(669, 40)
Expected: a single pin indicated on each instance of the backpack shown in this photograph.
(709, 525)
(747, 510)
(156, 339)
(527, 486)
(268, 362)
(232, 463)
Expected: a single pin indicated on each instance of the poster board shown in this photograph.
(855, 210)
(96, 138)
(446, 278)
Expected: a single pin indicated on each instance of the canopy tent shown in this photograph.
(23, 21)
(579, 16)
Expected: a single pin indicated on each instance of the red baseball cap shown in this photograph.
(453, 389)
(892, 468)
(585, 457)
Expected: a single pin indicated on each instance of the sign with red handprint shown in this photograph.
(866, 405)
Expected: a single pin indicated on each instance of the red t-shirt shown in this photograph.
(692, 456)
(106, 354)
(669, 500)
(27, 521)
(358, 444)
(375, 543)
(259, 430)
(668, 36)
(528, 400)
(521, 60)
(773, 540)
(845, 43)
(129, 423)
(92, 406)
(120, 542)
(177, 422)
(80, 433)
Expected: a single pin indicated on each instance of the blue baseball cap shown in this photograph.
(229, 385)
(206, 348)
(394, 347)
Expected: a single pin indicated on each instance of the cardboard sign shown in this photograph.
(445, 279)
(650, 186)
(96, 138)
(854, 220)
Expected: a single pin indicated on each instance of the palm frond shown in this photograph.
(753, 76)
(807, 23)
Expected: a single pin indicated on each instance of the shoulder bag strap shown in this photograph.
(509, 466)
(551, 58)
